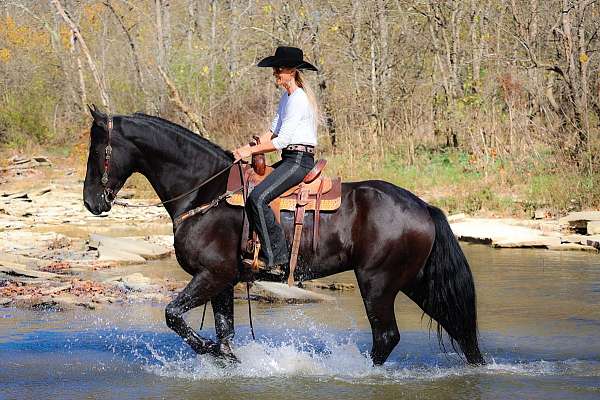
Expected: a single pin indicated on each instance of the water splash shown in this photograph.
(318, 352)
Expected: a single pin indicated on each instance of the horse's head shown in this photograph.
(110, 162)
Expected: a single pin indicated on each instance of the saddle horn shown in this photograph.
(259, 162)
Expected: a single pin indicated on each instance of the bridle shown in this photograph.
(111, 196)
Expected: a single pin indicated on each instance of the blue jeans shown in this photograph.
(290, 171)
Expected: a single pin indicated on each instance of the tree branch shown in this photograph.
(86, 51)
(176, 99)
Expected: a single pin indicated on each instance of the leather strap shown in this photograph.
(245, 222)
(301, 147)
(317, 218)
(298, 223)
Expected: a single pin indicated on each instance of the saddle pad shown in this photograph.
(330, 201)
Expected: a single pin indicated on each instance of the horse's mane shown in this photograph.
(165, 124)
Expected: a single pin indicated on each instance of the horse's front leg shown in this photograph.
(222, 305)
(203, 286)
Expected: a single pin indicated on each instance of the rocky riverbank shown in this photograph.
(54, 254)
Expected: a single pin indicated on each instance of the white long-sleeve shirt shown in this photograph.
(294, 122)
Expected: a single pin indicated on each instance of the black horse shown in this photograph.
(390, 238)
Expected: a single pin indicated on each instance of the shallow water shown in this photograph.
(539, 318)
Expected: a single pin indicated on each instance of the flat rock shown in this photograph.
(456, 217)
(15, 195)
(579, 220)
(538, 242)
(136, 282)
(24, 241)
(593, 228)
(24, 163)
(42, 191)
(281, 292)
(140, 248)
(593, 241)
(22, 270)
(19, 259)
(57, 289)
(500, 234)
(572, 247)
(110, 254)
(586, 240)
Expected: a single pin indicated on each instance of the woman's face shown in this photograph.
(283, 75)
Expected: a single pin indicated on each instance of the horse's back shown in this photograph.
(382, 196)
(388, 223)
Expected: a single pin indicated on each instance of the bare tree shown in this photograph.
(84, 48)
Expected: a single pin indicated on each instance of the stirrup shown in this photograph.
(250, 258)
(254, 264)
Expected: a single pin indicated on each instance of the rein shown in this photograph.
(111, 196)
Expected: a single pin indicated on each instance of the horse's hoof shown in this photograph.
(226, 353)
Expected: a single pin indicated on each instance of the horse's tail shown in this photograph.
(445, 290)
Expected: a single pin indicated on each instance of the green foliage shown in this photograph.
(565, 190)
(26, 115)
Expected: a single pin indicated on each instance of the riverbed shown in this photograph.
(539, 319)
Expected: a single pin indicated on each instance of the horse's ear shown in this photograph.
(99, 117)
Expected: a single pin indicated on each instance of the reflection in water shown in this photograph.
(538, 312)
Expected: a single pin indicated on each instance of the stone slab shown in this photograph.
(281, 292)
(24, 260)
(573, 247)
(57, 289)
(579, 219)
(593, 228)
(593, 241)
(540, 242)
(456, 217)
(111, 254)
(22, 270)
(136, 281)
(495, 232)
(141, 248)
(580, 215)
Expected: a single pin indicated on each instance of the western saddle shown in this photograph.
(315, 193)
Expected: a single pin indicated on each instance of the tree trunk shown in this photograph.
(84, 48)
(194, 118)
(134, 54)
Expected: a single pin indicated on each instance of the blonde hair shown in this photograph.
(312, 98)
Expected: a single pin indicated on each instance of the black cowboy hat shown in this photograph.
(291, 57)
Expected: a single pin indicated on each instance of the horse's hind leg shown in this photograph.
(222, 305)
(378, 298)
(200, 289)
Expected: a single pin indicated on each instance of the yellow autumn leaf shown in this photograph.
(205, 70)
(65, 37)
(583, 58)
(4, 55)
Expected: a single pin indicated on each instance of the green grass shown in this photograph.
(456, 182)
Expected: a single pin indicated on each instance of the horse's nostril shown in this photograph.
(87, 205)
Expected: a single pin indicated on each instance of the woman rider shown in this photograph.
(294, 132)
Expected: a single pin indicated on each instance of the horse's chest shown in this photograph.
(205, 244)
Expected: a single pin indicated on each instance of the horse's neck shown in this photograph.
(173, 169)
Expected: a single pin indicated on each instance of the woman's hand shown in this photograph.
(242, 152)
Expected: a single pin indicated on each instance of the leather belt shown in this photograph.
(301, 147)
